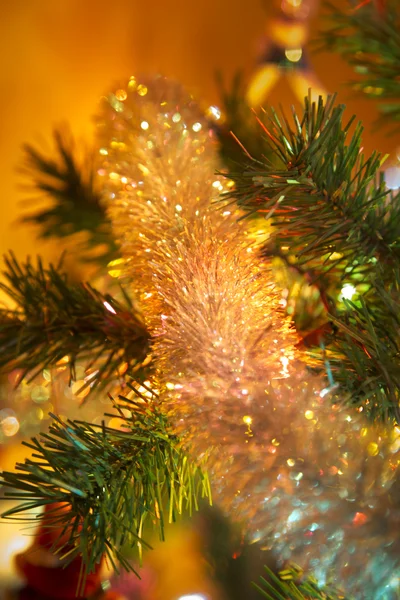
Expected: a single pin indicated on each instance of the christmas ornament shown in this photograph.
(309, 480)
(46, 573)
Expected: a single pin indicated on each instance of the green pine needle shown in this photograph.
(331, 212)
(53, 319)
(291, 584)
(369, 39)
(76, 207)
(112, 481)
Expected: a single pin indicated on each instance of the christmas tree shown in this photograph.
(251, 348)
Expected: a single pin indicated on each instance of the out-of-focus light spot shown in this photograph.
(373, 449)
(294, 54)
(121, 95)
(348, 291)
(359, 519)
(10, 426)
(178, 208)
(192, 597)
(79, 389)
(132, 83)
(144, 125)
(176, 117)
(117, 423)
(196, 127)
(109, 308)
(40, 394)
(392, 178)
(247, 419)
(142, 90)
(214, 112)
(294, 3)
(309, 414)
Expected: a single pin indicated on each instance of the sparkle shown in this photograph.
(348, 291)
(214, 112)
(109, 307)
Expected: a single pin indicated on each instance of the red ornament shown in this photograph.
(45, 573)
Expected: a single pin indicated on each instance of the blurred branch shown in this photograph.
(54, 319)
(366, 35)
(75, 199)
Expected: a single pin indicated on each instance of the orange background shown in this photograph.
(59, 56)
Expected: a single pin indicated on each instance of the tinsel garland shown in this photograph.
(311, 480)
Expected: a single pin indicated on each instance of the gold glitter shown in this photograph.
(247, 419)
(291, 462)
(309, 414)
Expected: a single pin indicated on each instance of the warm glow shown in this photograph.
(294, 54)
(348, 291)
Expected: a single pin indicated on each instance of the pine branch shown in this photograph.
(369, 40)
(238, 125)
(330, 210)
(54, 319)
(291, 585)
(76, 205)
(108, 483)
